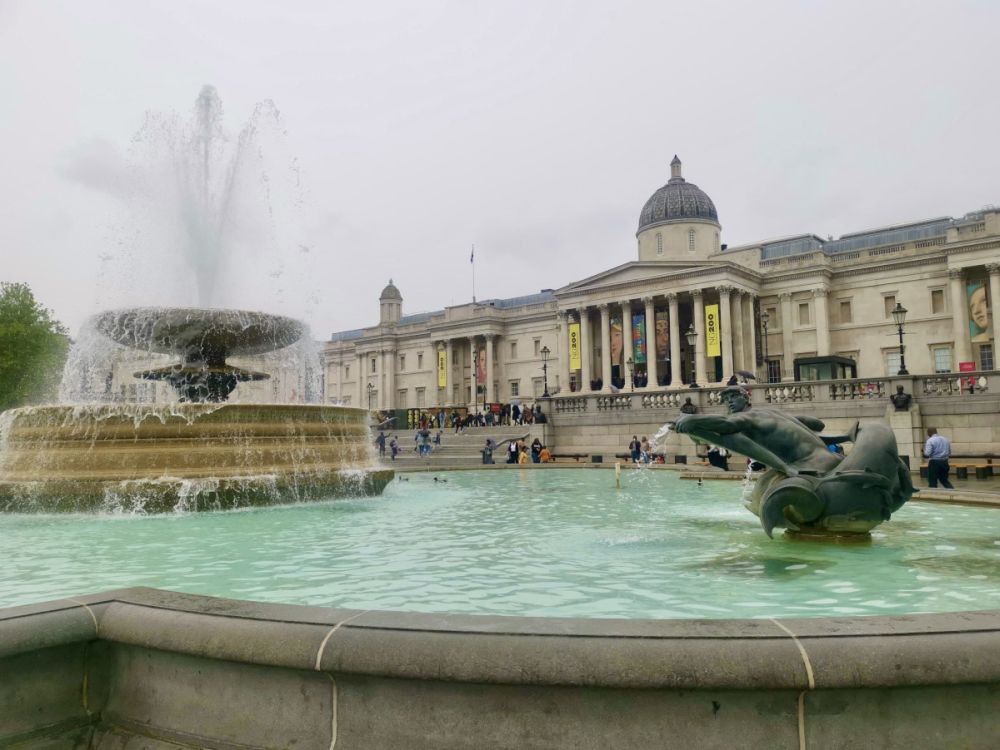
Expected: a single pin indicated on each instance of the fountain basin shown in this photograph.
(184, 456)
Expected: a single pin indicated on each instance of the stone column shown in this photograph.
(586, 350)
(473, 358)
(739, 323)
(822, 322)
(361, 378)
(726, 319)
(651, 372)
(605, 348)
(699, 327)
(449, 372)
(563, 354)
(490, 395)
(750, 326)
(626, 371)
(994, 271)
(960, 319)
(787, 373)
(676, 379)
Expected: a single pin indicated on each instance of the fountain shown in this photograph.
(189, 447)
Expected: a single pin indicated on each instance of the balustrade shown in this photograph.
(968, 384)
(614, 403)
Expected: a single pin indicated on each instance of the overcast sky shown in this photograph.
(535, 130)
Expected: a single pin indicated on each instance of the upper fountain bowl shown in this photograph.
(189, 331)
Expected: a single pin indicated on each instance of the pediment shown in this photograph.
(632, 272)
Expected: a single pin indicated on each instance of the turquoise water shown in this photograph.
(518, 542)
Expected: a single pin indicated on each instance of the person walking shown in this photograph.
(380, 442)
(937, 449)
(512, 452)
(394, 447)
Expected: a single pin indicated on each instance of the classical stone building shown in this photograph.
(689, 309)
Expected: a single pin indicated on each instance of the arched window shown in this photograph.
(691, 239)
(659, 243)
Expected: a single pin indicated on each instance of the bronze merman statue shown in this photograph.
(808, 489)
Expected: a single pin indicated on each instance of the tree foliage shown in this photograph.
(33, 348)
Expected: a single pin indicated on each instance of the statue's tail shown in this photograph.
(790, 502)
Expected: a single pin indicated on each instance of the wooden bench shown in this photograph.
(575, 457)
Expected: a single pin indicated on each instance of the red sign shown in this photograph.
(967, 367)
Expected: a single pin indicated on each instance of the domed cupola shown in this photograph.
(390, 304)
(679, 220)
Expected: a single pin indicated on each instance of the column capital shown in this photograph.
(626, 303)
(603, 307)
(993, 269)
(562, 315)
(489, 337)
(671, 296)
(785, 296)
(725, 288)
(696, 292)
(956, 273)
(647, 300)
(440, 345)
(820, 291)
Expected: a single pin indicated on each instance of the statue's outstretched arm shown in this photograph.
(816, 425)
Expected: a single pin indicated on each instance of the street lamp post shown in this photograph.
(899, 316)
(371, 391)
(692, 339)
(545, 371)
(764, 317)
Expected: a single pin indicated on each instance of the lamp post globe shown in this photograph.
(899, 317)
(692, 338)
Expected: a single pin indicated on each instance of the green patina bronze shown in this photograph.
(808, 489)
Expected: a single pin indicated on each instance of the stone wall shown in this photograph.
(153, 669)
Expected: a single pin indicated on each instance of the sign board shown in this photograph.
(575, 361)
(442, 369)
(712, 338)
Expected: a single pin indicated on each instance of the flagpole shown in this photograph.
(472, 260)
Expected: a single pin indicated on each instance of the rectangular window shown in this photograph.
(421, 398)
(373, 364)
(774, 371)
(454, 357)
(942, 359)
(892, 363)
(402, 362)
(845, 311)
(772, 317)
(986, 357)
(803, 313)
(538, 347)
(513, 350)
(420, 360)
(401, 399)
(937, 300)
(889, 301)
(537, 387)
(515, 388)
(347, 372)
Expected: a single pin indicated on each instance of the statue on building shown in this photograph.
(688, 408)
(808, 489)
(901, 399)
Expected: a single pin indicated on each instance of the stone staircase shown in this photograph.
(459, 450)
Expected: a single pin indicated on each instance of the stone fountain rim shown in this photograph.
(795, 654)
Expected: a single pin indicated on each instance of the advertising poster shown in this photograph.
(575, 361)
(980, 330)
(662, 329)
(442, 369)
(712, 338)
(639, 338)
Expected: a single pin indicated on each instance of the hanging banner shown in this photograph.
(617, 342)
(639, 338)
(712, 341)
(575, 361)
(480, 366)
(980, 330)
(442, 369)
(662, 335)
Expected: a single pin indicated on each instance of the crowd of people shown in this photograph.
(517, 451)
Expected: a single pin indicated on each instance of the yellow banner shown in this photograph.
(442, 369)
(712, 331)
(575, 362)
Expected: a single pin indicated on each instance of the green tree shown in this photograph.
(33, 348)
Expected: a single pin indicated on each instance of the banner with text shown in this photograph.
(639, 338)
(442, 369)
(712, 342)
(575, 361)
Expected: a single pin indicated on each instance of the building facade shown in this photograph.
(691, 310)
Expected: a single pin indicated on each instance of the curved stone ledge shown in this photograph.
(397, 679)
